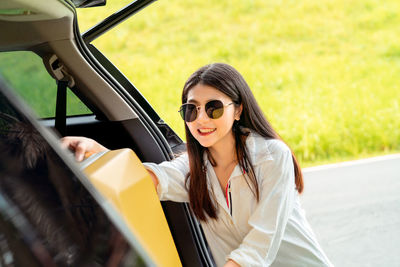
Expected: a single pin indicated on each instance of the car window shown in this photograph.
(47, 216)
(92, 18)
(25, 72)
(136, 67)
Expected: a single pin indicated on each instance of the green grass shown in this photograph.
(25, 73)
(324, 72)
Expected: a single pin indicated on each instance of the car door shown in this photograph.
(146, 134)
(50, 214)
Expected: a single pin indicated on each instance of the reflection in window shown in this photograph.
(47, 218)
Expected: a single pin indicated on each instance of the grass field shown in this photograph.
(324, 72)
(25, 73)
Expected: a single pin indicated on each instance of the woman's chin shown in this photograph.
(205, 142)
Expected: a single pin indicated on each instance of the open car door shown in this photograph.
(50, 213)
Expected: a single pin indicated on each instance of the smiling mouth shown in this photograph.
(206, 131)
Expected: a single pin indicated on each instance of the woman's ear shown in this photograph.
(238, 112)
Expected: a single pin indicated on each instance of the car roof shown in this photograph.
(25, 24)
(46, 27)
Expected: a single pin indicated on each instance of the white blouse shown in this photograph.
(270, 232)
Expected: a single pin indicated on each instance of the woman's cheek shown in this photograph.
(192, 129)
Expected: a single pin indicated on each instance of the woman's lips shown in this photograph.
(204, 132)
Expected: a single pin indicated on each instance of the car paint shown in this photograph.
(120, 176)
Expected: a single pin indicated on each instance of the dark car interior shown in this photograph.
(47, 216)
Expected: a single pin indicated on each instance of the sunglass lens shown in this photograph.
(182, 112)
(188, 112)
(215, 109)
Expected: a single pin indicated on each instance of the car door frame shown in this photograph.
(186, 230)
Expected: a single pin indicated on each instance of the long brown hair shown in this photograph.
(229, 81)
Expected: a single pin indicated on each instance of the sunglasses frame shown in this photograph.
(197, 108)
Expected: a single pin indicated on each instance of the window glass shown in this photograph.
(89, 18)
(75, 106)
(140, 47)
(25, 72)
(47, 217)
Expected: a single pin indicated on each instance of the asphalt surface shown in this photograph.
(354, 210)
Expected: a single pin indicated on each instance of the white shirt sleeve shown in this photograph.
(269, 219)
(171, 177)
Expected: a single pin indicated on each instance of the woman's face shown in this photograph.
(212, 132)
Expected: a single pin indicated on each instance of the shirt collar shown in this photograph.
(257, 148)
(258, 152)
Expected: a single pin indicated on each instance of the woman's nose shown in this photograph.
(202, 114)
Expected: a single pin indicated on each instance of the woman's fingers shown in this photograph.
(81, 146)
(65, 142)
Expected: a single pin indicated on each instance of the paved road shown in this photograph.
(354, 209)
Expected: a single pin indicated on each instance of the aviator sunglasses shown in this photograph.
(214, 110)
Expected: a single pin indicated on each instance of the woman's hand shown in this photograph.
(231, 263)
(82, 146)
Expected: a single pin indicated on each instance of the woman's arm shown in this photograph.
(153, 177)
(170, 178)
(84, 147)
(231, 263)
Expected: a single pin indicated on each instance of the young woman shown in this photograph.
(240, 178)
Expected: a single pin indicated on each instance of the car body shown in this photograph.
(51, 212)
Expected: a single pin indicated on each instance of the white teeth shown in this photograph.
(206, 130)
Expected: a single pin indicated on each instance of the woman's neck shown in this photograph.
(224, 153)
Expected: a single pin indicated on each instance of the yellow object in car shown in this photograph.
(120, 176)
